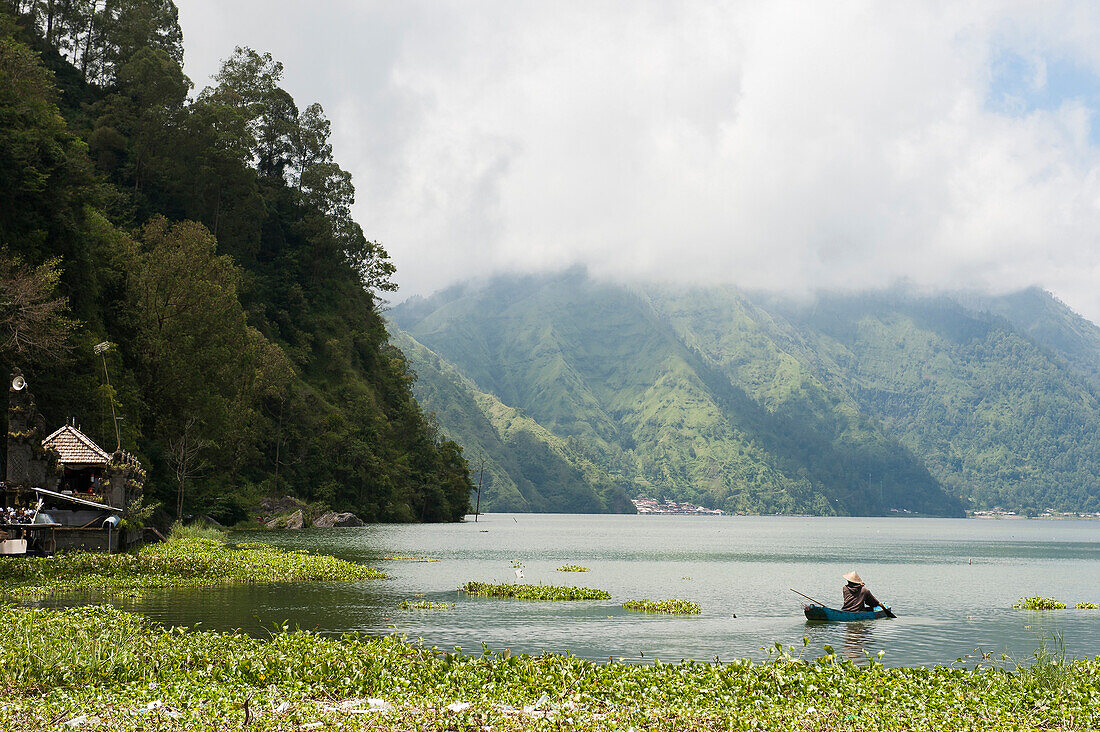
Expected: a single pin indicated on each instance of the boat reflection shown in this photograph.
(856, 638)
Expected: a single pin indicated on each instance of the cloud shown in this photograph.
(780, 145)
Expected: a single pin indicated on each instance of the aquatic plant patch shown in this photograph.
(572, 568)
(534, 592)
(1039, 603)
(99, 668)
(675, 607)
(1086, 606)
(426, 605)
(177, 563)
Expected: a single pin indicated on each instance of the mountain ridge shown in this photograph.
(846, 404)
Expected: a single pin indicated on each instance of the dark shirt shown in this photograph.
(858, 598)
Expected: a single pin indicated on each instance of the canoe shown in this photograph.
(820, 612)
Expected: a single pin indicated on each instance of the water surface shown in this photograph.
(952, 583)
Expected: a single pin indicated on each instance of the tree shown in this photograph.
(33, 321)
(203, 370)
(44, 174)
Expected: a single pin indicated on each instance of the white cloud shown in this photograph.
(789, 145)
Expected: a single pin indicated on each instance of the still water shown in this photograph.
(952, 583)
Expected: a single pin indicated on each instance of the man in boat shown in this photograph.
(857, 598)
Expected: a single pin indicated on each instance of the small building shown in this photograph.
(68, 478)
(83, 463)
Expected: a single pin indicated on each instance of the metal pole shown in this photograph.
(102, 349)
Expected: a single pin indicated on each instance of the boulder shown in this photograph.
(331, 519)
(275, 506)
(295, 520)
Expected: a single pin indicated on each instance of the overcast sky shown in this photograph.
(783, 145)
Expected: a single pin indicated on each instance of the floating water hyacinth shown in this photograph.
(1039, 603)
(572, 568)
(187, 562)
(426, 605)
(1086, 606)
(99, 662)
(674, 607)
(535, 592)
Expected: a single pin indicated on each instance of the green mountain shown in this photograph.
(748, 402)
(526, 467)
(208, 239)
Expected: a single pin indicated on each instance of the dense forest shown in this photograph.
(207, 237)
(855, 404)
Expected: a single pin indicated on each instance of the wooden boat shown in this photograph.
(828, 614)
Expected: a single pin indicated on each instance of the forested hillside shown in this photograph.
(208, 237)
(754, 403)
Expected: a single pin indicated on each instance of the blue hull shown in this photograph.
(820, 612)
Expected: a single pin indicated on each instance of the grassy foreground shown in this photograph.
(180, 562)
(120, 672)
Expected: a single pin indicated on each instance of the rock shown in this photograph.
(295, 520)
(330, 519)
(276, 506)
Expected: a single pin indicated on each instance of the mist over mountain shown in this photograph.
(578, 392)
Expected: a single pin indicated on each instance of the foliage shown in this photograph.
(34, 326)
(211, 238)
(426, 605)
(534, 592)
(138, 511)
(58, 665)
(197, 530)
(572, 568)
(1038, 603)
(675, 607)
(1086, 606)
(184, 561)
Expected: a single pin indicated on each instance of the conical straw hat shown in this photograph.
(854, 577)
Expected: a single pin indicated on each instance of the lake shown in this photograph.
(952, 583)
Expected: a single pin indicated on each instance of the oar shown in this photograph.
(819, 602)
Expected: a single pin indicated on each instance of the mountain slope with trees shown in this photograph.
(209, 239)
(755, 403)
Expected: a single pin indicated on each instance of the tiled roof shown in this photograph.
(75, 447)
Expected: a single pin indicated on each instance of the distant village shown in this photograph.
(644, 504)
(999, 513)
